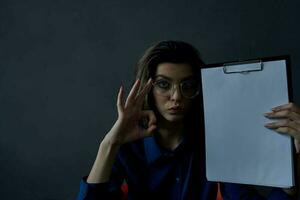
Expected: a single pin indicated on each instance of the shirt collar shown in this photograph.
(153, 151)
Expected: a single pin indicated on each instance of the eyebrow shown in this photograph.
(170, 79)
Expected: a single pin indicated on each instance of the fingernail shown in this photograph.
(267, 114)
(268, 125)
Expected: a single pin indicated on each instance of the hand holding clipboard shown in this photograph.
(289, 123)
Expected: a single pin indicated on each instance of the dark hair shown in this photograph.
(166, 51)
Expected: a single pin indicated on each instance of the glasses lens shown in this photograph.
(162, 87)
(189, 89)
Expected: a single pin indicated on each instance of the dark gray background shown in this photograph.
(62, 62)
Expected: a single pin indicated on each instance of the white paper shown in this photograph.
(239, 149)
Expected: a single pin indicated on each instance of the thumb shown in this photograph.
(146, 132)
(148, 123)
(150, 130)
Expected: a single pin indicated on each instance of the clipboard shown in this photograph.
(239, 149)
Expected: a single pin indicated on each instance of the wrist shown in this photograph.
(114, 137)
(110, 143)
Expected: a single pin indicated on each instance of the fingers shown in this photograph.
(133, 92)
(291, 106)
(290, 119)
(120, 100)
(287, 127)
(131, 110)
(283, 123)
(287, 130)
(147, 132)
(141, 96)
(135, 98)
(283, 113)
(146, 89)
(150, 116)
(290, 111)
(151, 123)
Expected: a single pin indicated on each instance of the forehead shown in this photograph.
(175, 71)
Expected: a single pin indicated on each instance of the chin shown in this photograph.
(174, 118)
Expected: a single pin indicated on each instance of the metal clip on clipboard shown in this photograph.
(244, 67)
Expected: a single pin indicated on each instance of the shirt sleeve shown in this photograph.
(110, 190)
(98, 191)
(232, 191)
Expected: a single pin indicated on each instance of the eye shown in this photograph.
(187, 85)
(162, 84)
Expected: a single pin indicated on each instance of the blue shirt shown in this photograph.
(153, 172)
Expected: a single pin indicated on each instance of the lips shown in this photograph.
(175, 110)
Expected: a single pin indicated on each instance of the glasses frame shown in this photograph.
(171, 90)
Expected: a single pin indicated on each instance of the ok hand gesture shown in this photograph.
(127, 128)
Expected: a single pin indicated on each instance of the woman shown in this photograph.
(156, 144)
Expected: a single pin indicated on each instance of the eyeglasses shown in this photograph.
(188, 88)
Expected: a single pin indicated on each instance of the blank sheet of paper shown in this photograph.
(239, 149)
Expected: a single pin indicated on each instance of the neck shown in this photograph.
(170, 134)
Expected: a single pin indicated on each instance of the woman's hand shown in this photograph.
(288, 116)
(127, 128)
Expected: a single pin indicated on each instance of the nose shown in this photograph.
(175, 93)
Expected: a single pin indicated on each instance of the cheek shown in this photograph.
(159, 101)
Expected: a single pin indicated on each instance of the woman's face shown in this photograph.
(171, 103)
